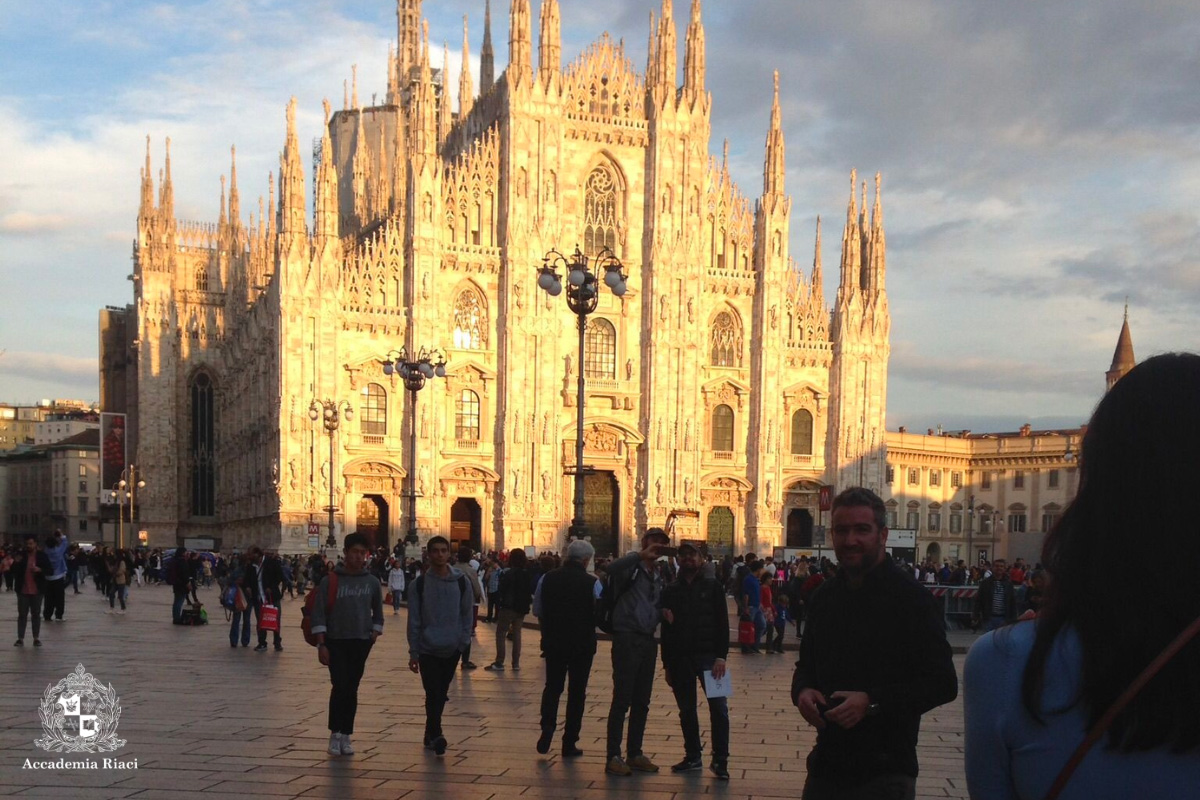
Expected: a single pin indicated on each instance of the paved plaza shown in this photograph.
(201, 718)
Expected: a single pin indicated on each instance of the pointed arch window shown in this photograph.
(600, 350)
(726, 341)
(202, 280)
(600, 214)
(470, 321)
(722, 429)
(467, 425)
(202, 446)
(802, 432)
(374, 411)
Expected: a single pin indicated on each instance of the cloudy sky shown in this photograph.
(1041, 162)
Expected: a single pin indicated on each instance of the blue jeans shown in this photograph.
(242, 618)
(118, 593)
(760, 624)
(177, 606)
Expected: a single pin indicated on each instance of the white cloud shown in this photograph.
(26, 223)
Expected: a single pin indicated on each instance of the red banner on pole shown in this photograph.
(826, 497)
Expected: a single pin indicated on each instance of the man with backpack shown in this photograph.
(345, 632)
(633, 592)
(440, 616)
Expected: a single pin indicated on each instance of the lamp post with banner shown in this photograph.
(414, 370)
(583, 294)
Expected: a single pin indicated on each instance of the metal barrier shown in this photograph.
(958, 603)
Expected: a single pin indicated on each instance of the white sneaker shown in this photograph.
(347, 749)
(335, 744)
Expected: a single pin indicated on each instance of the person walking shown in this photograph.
(636, 586)
(491, 579)
(265, 579)
(873, 659)
(439, 630)
(118, 568)
(695, 644)
(464, 565)
(345, 635)
(29, 571)
(567, 599)
(240, 627)
(396, 582)
(516, 597)
(56, 581)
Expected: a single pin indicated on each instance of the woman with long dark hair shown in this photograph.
(1033, 690)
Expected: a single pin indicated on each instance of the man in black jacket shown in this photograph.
(30, 570)
(567, 598)
(264, 579)
(695, 640)
(873, 659)
(995, 602)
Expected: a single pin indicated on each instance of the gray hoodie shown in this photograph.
(440, 614)
(357, 609)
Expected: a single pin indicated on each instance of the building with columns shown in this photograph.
(980, 496)
(722, 390)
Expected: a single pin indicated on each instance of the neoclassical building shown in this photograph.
(722, 390)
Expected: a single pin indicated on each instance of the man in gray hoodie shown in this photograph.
(440, 616)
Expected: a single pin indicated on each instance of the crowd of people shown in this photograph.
(1066, 661)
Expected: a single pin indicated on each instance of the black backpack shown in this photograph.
(606, 606)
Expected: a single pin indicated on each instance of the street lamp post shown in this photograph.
(125, 489)
(583, 293)
(970, 531)
(330, 412)
(414, 370)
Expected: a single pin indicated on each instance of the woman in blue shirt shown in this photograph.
(1032, 690)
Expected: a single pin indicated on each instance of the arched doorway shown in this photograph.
(799, 528)
(720, 532)
(466, 524)
(372, 519)
(933, 553)
(601, 505)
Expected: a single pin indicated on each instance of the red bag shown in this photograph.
(269, 619)
(746, 632)
(309, 601)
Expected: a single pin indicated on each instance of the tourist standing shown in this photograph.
(439, 630)
(873, 659)
(240, 627)
(516, 597)
(265, 579)
(472, 573)
(56, 581)
(29, 572)
(636, 586)
(695, 643)
(396, 582)
(345, 634)
(567, 598)
(118, 568)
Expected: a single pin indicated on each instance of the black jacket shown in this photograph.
(701, 626)
(983, 599)
(516, 590)
(568, 619)
(21, 563)
(272, 581)
(885, 638)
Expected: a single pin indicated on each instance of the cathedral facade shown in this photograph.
(721, 390)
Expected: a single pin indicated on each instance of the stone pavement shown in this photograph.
(201, 718)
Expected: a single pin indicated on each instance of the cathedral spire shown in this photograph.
(393, 93)
(326, 201)
(408, 40)
(651, 55)
(166, 195)
(773, 167)
(851, 266)
(235, 205)
(222, 219)
(666, 56)
(487, 56)
(1123, 358)
(361, 165)
(271, 220)
(693, 59)
(146, 208)
(425, 122)
(466, 92)
(817, 294)
(444, 104)
(520, 45)
(291, 180)
(550, 44)
(876, 255)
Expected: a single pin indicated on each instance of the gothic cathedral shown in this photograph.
(721, 390)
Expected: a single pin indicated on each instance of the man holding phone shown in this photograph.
(873, 659)
(637, 587)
